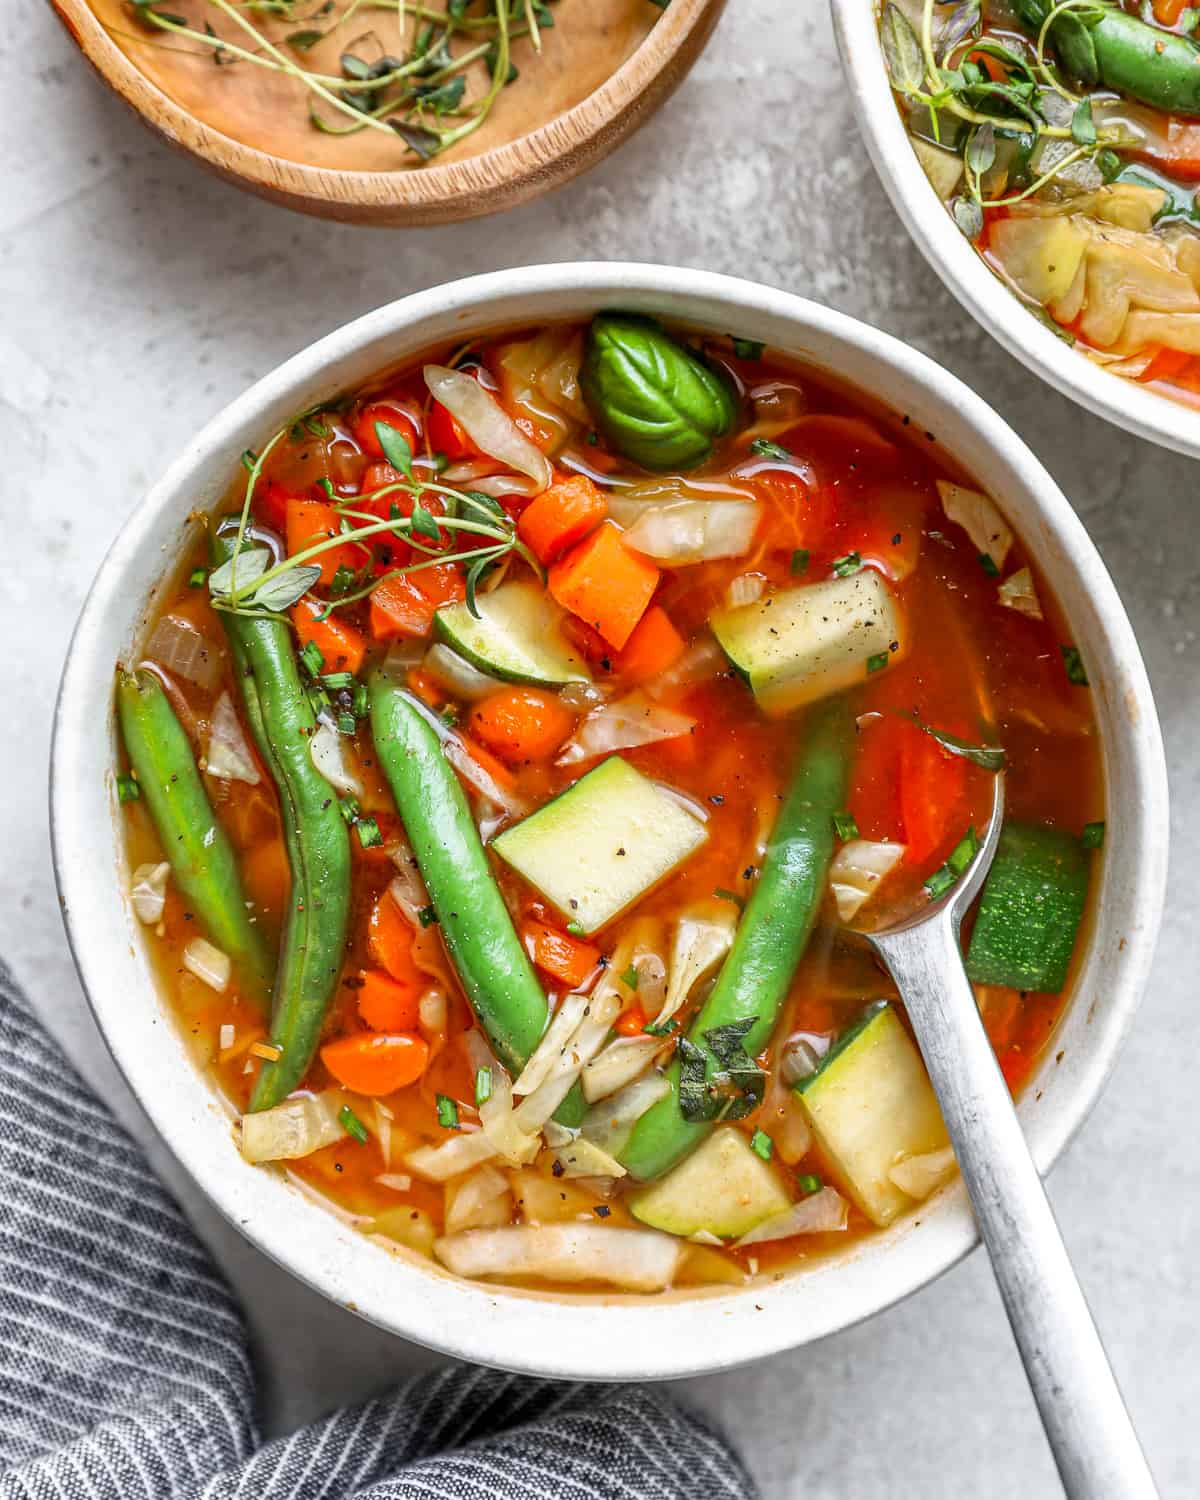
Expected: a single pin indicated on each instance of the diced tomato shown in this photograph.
(446, 435)
(270, 505)
(933, 793)
(403, 418)
(874, 797)
(631, 1022)
(1167, 364)
(884, 528)
(406, 604)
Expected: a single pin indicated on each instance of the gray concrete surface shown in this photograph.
(137, 295)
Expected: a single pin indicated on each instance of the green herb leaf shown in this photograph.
(350, 809)
(286, 588)
(630, 978)
(987, 757)
(251, 564)
(352, 1125)
(981, 148)
(694, 1101)
(423, 523)
(988, 565)
(397, 449)
(369, 836)
(476, 573)
(447, 1112)
(303, 40)
(969, 217)
(427, 916)
(902, 49)
(844, 566)
(337, 681)
(425, 143)
(845, 826)
(1092, 836)
(799, 562)
(809, 1183)
(767, 449)
(723, 895)
(312, 658)
(128, 789)
(441, 98)
(877, 662)
(197, 578)
(1073, 662)
(1083, 127)
(762, 1144)
(747, 348)
(354, 67)
(483, 1086)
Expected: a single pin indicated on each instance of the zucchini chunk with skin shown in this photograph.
(803, 644)
(597, 847)
(870, 1105)
(517, 636)
(723, 1188)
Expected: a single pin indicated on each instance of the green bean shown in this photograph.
(198, 849)
(318, 843)
(770, 941)
(476, 927)
(1122, 53)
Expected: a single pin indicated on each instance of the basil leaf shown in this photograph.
(902, 49)
(695, 1102)
(981, 149)
(655, 401)
(285, 589)
(1083, 127)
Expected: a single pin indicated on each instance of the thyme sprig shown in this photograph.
(263, 589)
(405, 96)
(944, 77)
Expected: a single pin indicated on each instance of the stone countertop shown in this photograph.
(138, 295)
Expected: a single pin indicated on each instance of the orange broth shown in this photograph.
(859, 481)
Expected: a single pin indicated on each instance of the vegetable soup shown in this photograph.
(510, 756)
(1065, 140)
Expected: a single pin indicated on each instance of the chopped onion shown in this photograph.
(499, 485)
(477, 777)
(703, 936)
(746, 588)
(990, 533)
(820, 1213)
(457, 675)
(918, 1176)
(148, 894)
(582, 695)
(1018, 592)
(453, 1157)
(701, 662)
(801, 1055)
(499, 1120)
(610, 1123)
(857, 869)
(297, 1127)
(432, 1012)
(622, 725)
(691, 531)
(177, 645)
(383, 1130)
(536, 1108)
(477, 1201)
(583, 1158)
(619, 1063)
(556, 1135)
(395, 1182)
(639, 1260)
(403, 655)
(229, 755)
(468, 470)
(329, 754)
(208, 963)
(547, 1056)
(487, 424)
(226, 1036)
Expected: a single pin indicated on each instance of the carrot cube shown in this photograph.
(654, 646)
(558, 953)
(340, 644)
(312, 521)
(387, 1004)
(561, 516)
(605, 584)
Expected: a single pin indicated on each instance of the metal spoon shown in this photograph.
(1088, 1427)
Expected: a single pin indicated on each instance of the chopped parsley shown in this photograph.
(1073, 662)
(762, 1144)
(447, 1112)
(799, 563)
(851, 562)
(845, 826)
(1092, 836)
(128, 789)
(483, 1086)
(352, 1125)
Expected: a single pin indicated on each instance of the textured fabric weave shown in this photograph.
(124, 1372)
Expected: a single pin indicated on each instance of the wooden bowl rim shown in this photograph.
(499, 169)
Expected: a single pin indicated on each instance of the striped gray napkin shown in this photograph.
(124, 1372)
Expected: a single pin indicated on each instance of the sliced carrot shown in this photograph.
(375, 1063)
(340, 644)
(1168, 12)
(605, 583)
(521, 723)
(390, 941)
(313, 521)
(495, 768)
(406, 604)
(558, 953)
(267, 876)
(631, 1022)
(561, 516)
(387, 1004)
(654, 646)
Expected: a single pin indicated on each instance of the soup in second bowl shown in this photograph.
(512, 750)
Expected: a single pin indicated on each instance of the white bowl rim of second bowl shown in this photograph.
(1125, 403)
(599, 1337)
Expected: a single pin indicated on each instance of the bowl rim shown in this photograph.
(596, 1337)
(498, 178)
(980, 291)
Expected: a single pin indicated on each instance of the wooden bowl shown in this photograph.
(521, 151)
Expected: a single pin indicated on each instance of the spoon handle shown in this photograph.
(1088, 1427)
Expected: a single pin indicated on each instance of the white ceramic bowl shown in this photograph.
(1134, 407)
(620, 1336)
